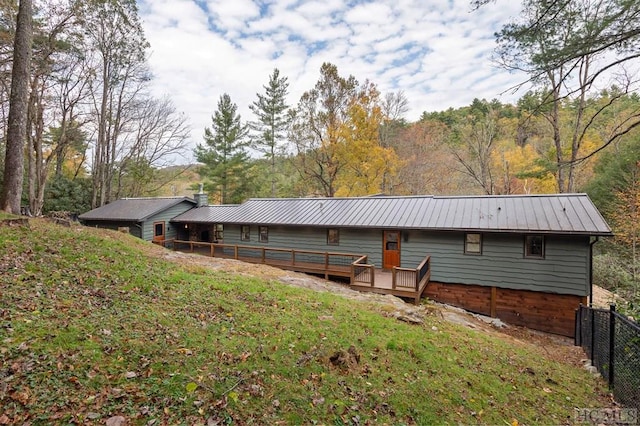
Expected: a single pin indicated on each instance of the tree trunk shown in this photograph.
(18, 104)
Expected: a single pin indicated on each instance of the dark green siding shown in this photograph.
(565, 268)
(306, 238)
(135, 229)
(165, 216)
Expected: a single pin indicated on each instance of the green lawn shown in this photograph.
(93, 327)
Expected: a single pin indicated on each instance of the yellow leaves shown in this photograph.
(365, 163)
(185, 351)
(518, 170)
(626, 216)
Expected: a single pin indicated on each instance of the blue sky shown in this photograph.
(438, 52)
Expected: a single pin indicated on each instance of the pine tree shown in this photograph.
(224, 154)
(271, 111)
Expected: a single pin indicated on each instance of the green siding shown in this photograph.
(565, 268)
(367, 242)
(165, 216)
(134, 228)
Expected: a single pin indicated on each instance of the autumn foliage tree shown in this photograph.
(336, 132)
(627, 218)
(317, 132)
(366, 162)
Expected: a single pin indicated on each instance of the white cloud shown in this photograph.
(438, 53)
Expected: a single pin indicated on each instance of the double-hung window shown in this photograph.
(473, 243)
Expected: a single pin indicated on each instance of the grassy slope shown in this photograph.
(91, 327)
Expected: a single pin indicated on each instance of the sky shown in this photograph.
(438, 52)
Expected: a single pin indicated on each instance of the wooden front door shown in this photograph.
(391, 249)
(158, 231)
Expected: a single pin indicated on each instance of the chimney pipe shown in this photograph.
(201, 198)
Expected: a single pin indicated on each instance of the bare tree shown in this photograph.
(158, 137)
(573, 49)
(114, 33)
(474, 152)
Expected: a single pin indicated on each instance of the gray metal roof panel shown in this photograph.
(133, 209)
(555, 213)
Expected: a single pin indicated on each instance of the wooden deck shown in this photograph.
(402, 282)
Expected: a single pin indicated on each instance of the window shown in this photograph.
(219, 231)
(245, 233)
(158, 229)
(473, 243)
(264, 234)
(333, 236)
(534, 246)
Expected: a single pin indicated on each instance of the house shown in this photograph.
(146, 218)
(523, 258)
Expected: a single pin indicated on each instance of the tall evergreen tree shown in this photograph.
(273, 120)
(224, 154)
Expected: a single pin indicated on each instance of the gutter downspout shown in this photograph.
(591, 271)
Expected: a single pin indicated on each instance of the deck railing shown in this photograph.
(407, 278)
(362, 272)
(328, 262)
(353, 266)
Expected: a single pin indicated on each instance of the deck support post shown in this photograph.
(493, 302)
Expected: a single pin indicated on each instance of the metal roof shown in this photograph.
(553, 213)
(133, 209)
(207, 214)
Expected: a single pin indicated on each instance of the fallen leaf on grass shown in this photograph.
(185, 351)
